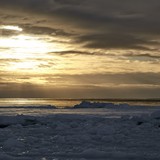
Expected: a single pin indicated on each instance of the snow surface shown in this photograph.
(73, 136)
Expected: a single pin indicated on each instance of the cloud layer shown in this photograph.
(94, 43)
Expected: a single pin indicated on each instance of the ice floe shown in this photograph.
(71, 137)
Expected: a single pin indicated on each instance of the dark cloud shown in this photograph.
(132, 56)
(8, 33)
(74, 52)
(40, 30)
(114, 41)
(30, 5)
(113, 24)
(70, 2)
(82, 17)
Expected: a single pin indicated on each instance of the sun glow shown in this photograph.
(14, 28)
(24, 46)
(27, 54)
(24, 65)
(24, 52)
(25, 43)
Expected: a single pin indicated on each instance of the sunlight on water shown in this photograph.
(44, 106)
(65, 102)
(37, 102)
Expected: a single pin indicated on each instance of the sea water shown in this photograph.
(39, 106)
(62, 103)
(16, 102)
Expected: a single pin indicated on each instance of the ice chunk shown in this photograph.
(86, 104)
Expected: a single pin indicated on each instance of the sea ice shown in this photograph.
(81, 137)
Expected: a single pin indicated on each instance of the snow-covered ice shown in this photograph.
(73, 136)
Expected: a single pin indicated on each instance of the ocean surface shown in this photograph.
(43, 106)
(62, 103)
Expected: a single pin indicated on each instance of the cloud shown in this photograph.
(142, 57)
(132, 85)
(114, 79)
(100, 24)
(42, 30)
(148, 55)
(29, 90)
(106, 35)
(74, 52)
(4, 48)
(8, 33)
(114, 41)
(30, 5)
(145, 55)
(7, 60)
(14, 90)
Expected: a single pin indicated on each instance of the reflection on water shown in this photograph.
(39, 106)
(68, 102)
(37, 102)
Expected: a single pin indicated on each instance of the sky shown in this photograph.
(80, 49)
